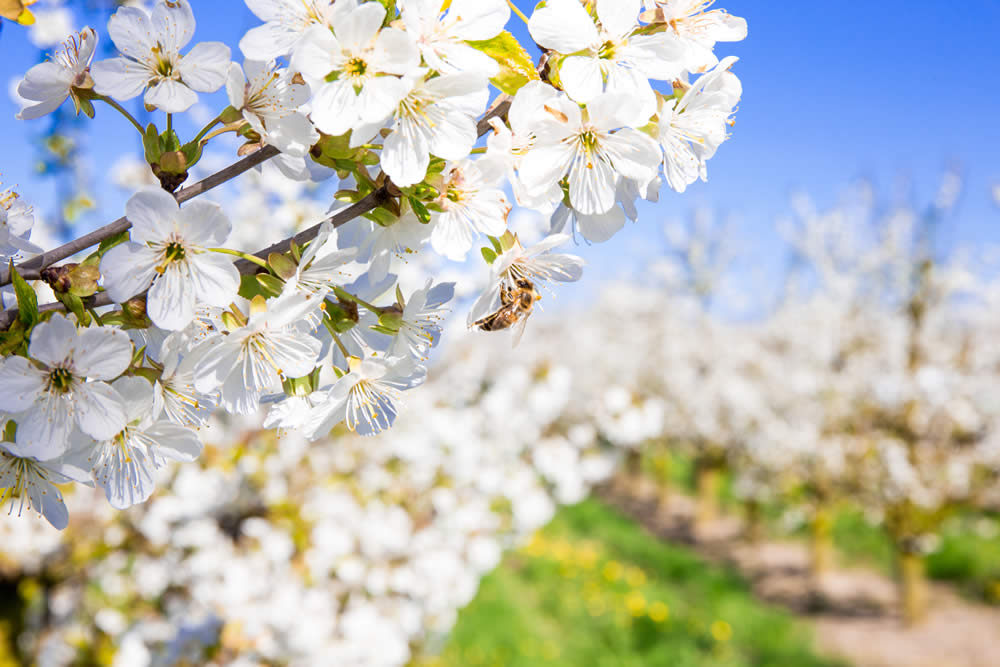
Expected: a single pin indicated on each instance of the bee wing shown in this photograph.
(518, 330)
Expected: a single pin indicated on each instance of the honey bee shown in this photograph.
(516, 304)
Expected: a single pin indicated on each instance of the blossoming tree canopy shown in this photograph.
(428, 113)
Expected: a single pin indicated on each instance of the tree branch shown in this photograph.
(32, 268)
(374, 199)
(370, 201)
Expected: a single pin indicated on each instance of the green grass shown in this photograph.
(594, 590)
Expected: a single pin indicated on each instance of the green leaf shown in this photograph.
(27, 300)
(488, 255)
(270, 285)
(423, 215)
(516, 66)
(282, 265)
(74, 304)
(151, 144)
(390, 10)
(109, 243)
(12, 340)
(169, 141)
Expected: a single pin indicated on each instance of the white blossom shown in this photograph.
(592, 147)
(441, 36)
(28, 482)
(170, 254)
(49, 394)
(692, 128)
(367, 398)
(245, 362)
(613, 58)
(437, 116)
(151, 58)
(270, 98)
(286, 21)
(355, 68)
(47, 85)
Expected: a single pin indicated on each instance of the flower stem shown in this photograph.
(243, 255)
(517, 11)
(170, 123)
(347, 296)
(215, 121)
(328, 323)
(114, 105)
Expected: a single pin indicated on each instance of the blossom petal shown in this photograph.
(120, 78)
(479, 19)
(171, 300)
(174, 441)
(171, 96)
(173, 23)
(22, 383)
(128, 269)
(214, 279)
(52, 342)
(45, 429)
(205, 67)
(203, 224)
(100, 411)
(102, 353)
(132, 32)
(563, 26)
(152, 212)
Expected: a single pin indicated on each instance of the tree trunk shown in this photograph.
(707, 501)
(912, 584)
(755, 521)
(820, 543)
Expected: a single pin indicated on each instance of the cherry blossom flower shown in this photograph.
(441, 35)
(696, 28)
(322, 266)
(437, 116)
(169, 254)
(508, 146)
(26, 481)
(48, 395)
(419, 325)
(367, 398)
(535, 264)
(47, 85)
(270, 98)
(612, 58)
(150, 46)
(286, 21)
(692, 128)
(382, 245)
(356, 67)
(471, 204)
(16, 221)
(124, 465)
(174, 395)
(253, 358)
(585, 146)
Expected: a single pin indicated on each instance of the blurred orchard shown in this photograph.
(262, 474)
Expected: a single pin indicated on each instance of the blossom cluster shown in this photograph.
(383, 540)
(168, 319)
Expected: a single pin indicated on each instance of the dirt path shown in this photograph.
(852, 611)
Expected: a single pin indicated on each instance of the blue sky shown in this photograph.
(893, 91)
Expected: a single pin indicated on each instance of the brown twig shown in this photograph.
(374, 199)
(32, 268)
